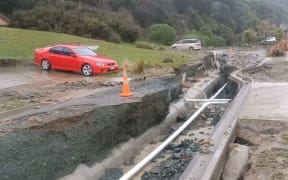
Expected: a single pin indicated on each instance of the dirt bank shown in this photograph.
(274, 70)
(51, 142)
(269, 153)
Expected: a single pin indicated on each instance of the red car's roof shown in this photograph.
(70, 46)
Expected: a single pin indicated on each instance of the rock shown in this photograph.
(198, 124)
(156, 170)
(181, 118)
(237, 162)
(153, 142)
(81, 173)
(176, 156)
(168, 60)
(205, 142)
(205, 150)
(171, 130)
(129, 162)
(192, 134)
(38, 107)
(112, 174)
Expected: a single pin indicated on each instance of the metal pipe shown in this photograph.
(154, 153)
(207, 100)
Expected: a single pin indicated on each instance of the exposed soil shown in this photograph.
(274, 70)
(269, 155)
(14, 98)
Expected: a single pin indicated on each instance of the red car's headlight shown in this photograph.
(100, 64)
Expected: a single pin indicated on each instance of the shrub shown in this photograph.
(161, 48)
(279, 34)
(129, 33)
(213, 40)
(144, 45)
(249, 36)
(216, 41)
(88, 22)
(162, 33)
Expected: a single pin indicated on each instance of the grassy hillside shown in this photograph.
(20, 44)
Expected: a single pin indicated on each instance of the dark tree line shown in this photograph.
(127, 20)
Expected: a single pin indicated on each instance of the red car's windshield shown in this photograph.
(84, 52)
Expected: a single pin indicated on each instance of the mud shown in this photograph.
(269, 154)
(51, 142)
(13, 99)
(241, 59)
(273, 71)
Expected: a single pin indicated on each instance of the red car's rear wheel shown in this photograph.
(87, 70)
(45, 65)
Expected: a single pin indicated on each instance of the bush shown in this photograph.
(217, 41)
(87, 22)
(249, 36)
(144, 45)
(162, 33)
(206, 30)
(279, 34)
(129, 33)
(214, 40)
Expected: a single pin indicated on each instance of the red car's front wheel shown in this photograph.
(45, 65)
(87, 70)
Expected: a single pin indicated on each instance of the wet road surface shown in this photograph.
(34, 75)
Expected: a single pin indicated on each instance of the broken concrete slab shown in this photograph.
(236, 164)
(51, 142)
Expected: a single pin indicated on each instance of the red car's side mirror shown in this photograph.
(73, 55)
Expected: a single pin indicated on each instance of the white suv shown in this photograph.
(187, 44)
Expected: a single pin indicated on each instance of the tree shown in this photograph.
(249, 36)
(162, 33)
(266, 28)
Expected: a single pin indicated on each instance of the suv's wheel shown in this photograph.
(191, 49)
(174, 48)
(45, 65)
(87, 70)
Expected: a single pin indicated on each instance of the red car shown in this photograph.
(74, 58)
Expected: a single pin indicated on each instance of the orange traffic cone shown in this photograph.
(125, 88)
(231, 53)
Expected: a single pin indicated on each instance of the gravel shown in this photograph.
(174, 166)
(112, 174)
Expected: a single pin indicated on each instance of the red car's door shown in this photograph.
(56, 57)
(71, 62)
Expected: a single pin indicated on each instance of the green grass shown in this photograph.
(20, 44)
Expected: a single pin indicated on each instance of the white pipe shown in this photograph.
(207, 100)
(154, 153)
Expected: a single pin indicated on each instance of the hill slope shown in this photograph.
(20, 44)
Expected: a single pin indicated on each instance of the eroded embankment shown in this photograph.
(51, 142)
(267, 142)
